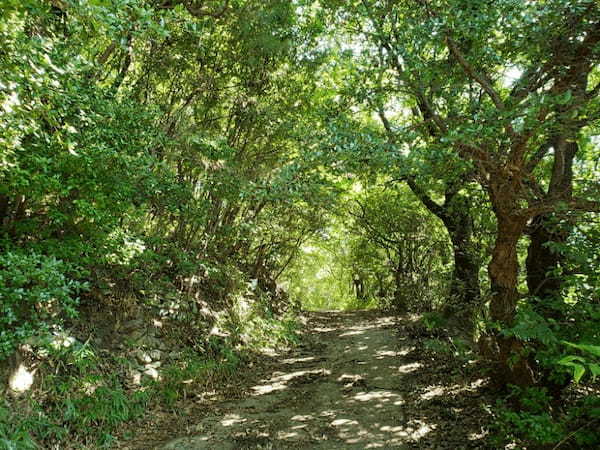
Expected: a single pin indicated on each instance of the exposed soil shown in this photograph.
(359, 380)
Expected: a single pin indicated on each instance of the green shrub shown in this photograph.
(433, 321)
(196, 369)
(78, 403)
(36, 296)
(532, 423)
(535, 423)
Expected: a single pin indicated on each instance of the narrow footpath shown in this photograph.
(358, 381)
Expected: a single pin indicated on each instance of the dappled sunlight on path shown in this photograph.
(352, 384)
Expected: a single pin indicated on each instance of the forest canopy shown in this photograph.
(225, 164)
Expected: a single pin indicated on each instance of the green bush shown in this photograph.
(535, 423)
(532, 422)
(36, 296)
(79, 402)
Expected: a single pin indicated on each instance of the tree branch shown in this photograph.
(482, 79)
(432, 206)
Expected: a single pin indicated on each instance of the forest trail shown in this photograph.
(352, 384)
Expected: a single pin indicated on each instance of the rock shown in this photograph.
(156, 355)
(143, 357)
(152, 373)
(136, 377)
(154, 365)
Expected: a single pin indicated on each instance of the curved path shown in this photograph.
(353, 384)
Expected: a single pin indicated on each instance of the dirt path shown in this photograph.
(354, 384)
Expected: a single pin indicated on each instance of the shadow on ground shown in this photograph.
(355, 383)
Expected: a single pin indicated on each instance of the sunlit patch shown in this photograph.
(340, 422)
(408, 368)
(268, 388)
(381, 396)
(61, 340)
(297, 360)
(433, 391)
(354, 435)
(287, 434)
(477, 436)
(324, 330)
(391, 429)
(422, 430)
(360, 437)
(301, 418)
(457, 388)
(405, 351)
(302, 373)
(352, 333)
(21, 380)
(477, 383)
(279, 381)
(232, 419)
(89, 388)
(347, 378)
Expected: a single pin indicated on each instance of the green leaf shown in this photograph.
(593, 349)
(569, 359)
(578, 372)
(595, 369)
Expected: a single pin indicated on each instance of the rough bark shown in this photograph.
(513, 365)
(465, 297)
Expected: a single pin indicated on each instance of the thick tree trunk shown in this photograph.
(514, 368)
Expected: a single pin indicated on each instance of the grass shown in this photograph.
(83, 397)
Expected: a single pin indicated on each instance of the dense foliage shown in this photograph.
(216, 164)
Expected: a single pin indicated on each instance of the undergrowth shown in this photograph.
(83, 395)
(529, 419)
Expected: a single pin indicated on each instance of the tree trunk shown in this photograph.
(399, 295)
(455, 214)
(514, 368)
(4, 208)
(542, 262)
(465, 296)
